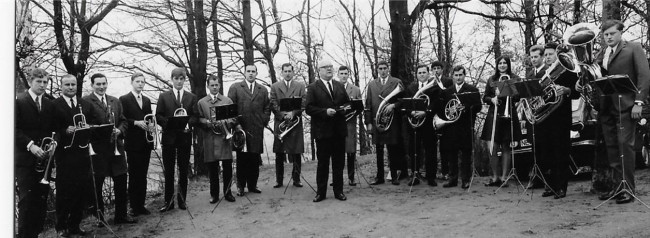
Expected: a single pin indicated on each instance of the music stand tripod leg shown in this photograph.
(100, 215)
(513, 171)
(536, 170)
(356, 163)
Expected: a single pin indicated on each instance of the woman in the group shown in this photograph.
(507, 129)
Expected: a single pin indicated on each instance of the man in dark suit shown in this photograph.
(253, 105)
(73, 181)
(351, 139)
(33, 123)
(423, 148)
(443, 82)
(391, 137)
(176, 143)
(536, 54)
(324, 98)
(109, 159)
(138, 150)
(622, 58)
(457, 136)
(292, 144)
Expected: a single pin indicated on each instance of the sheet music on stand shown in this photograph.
(412, 104)
(101, 132)
(529, 88)
(469, 98)
(612, 84)
(177, 123)
(224, 111)
(290, 104)
(507, 88)
(356, 104)
(81, 138)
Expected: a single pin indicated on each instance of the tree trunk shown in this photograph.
(548, 29)
(401, 37)
(364, 141)
(448, 63)
(375, 52)
(247, 33)
(217, 51)
(496, 44)
(529, 34)
(577, 8)
(439, 27)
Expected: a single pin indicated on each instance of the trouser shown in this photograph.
(213, 173)
(351, 157)
(421, 151)
(248, 169)
(119, 189)
(330, 148)
(444, 162)
(73, 184)
(395, 161)
(172, 154)
(279, 167)
(620, 143)
(465, 163)
(32, 202)
(138, 168)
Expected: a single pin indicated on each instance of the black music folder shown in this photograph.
(177, 123)
(290, 104)
(612, 84)
(469, 98)
(529, 88)
(224, 111)
(507, 88)
(356, 105)
(81, 137)
(413, 104)
(101, 132)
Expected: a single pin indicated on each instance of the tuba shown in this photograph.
(286, 126)
(48, 144)
(384, 118)
(417, 122)
(453, 110)
(580, 38)
(151, 135)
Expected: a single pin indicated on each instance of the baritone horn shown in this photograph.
(49, 146)
(151, 135)
(417, 122)
(384, 118)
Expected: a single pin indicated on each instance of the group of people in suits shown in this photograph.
(125, 154)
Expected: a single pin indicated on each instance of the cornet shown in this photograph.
(49, 146)
(151, 135)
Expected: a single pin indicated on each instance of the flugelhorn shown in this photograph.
(417, 122)
(151, 134)
(384, 118)
(219, 126)
(49, 146)
(79, 122)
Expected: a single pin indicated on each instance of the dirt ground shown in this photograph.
(390, 211)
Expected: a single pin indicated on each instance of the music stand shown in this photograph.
(530, 89)
(507, 89)
(288, 105)
(410, 105)
(471, 100)
(177, 122)
(618, 84)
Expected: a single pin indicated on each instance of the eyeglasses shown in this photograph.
(327, 67)
(382, 68)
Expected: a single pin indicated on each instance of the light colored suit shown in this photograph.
(351, 140)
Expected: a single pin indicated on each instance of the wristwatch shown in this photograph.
(639, 103)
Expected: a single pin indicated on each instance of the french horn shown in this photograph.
(453, 110)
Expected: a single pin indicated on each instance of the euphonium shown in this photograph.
(286, 126)
(49, 146)
(384, 118)
(151, 135)
(453, 110)
(538, 108)
(417, 122)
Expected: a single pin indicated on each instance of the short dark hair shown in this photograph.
(383, 62)
(37, 73)
(536, 48)
(437, 63)
(610, 23)
(459, 68)
(136, 75)
(422, 66)
(97, 75)
(551, 45)
(343, 67)
(212, 77)
(179, 72)
(284, 66)
(250, 65)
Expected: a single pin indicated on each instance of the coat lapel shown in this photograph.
(31, 102)
(618, 50)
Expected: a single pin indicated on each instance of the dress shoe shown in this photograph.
(450, 184)
(548, 193)
(504, 184)
(340, 196)
(608, 195)
(414, 181)
(624, 198)
(297, 184)
(377, 182)
(560, 194)
(332, 184)
(277, 185)
(403, 176)
(77, 231)
(63, 233)
(229, 197)
(240, 192)
(464, 185)
(182, 206)
(493, 183)
(166, 208)
(432, 183)
(125, 220)
(319, 198)
(213, 200)
(395, 182)
(254, 190)
(352, 183)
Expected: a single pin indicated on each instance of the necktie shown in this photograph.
(609, 57)
(250, 86)
(139, 99)
(104, 102)
(178, 96)
(72, 103)
(421, 85)
(329, 85)
(38, 104)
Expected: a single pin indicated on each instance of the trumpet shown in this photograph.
(151, 135)
(79, 121)
(239, 140)
(49, 146)
(384, 118)
(111, 119)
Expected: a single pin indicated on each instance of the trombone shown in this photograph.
(151, 134)
(111, 119)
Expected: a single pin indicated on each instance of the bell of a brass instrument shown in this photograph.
(48, 145)
(180, 112)
(384, 118)
(239, 140)
(286, 126)
(91, 152)
(581, 37)
(506, 112)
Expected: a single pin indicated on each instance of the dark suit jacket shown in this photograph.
(459, 133)
(74, 156)
(532, 75)
(31, 125)
(105, 162)
(434, 106)
(134, 137)
(318, 100)
(294, 141)
(165, 108)
(628, 59)
(255, 111)
(375, 91)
